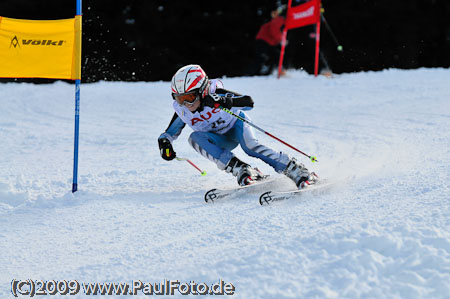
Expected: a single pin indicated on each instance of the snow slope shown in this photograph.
(383, 233)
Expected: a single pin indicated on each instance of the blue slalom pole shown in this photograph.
(78, 8)
(77, 134)
(77, 121)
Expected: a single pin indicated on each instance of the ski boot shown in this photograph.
(299, 174)
(244, 173)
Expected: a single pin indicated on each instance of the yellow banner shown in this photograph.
(40, 49)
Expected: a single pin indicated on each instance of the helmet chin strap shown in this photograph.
(204, 91)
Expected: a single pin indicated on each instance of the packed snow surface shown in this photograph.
(382, 231)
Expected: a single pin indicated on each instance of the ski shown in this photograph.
(273, 196)
(214, 195)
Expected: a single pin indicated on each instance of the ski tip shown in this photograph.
(210, 196)
(265, 198)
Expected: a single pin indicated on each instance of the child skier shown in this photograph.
(216, 132)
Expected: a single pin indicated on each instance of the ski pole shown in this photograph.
(339, 46)
(312, 158)
(190, 162)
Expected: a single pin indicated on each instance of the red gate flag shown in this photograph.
(298, 16)
(304, 14)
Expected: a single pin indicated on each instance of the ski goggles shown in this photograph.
(187, 99)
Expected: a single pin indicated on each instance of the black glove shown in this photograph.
(166, 149)
(214, 100)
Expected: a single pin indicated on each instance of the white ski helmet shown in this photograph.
(188, 83)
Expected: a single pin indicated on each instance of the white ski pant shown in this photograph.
(218, 147)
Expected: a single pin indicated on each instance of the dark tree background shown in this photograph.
(148, 40)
